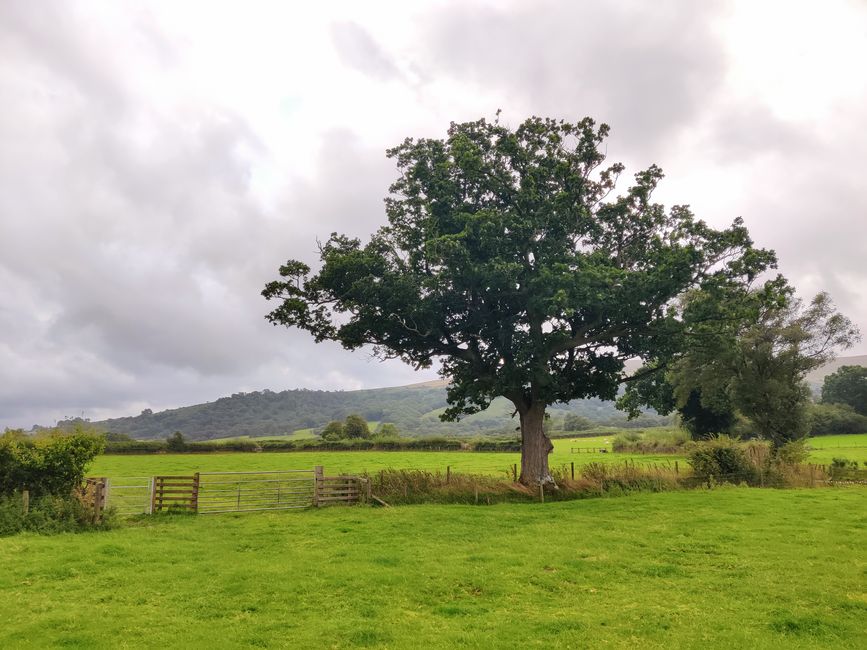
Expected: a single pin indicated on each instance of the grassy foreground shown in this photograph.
(733, 567)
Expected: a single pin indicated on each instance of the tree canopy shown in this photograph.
(847, 385)
(508, 257)
(754, 362)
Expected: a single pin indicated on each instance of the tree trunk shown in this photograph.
(535, 447)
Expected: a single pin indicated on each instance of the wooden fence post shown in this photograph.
(448, 474)
(676, 470)
(25, 501)
(98, 495)
(515, 472)
(573, 470)
(195, 495)
(812, 475)
(317, 484)
(153, 484)
(106, 492)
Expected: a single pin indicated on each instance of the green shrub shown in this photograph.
(830, 419)
(48, 514)
(724, 460)
(52, 463)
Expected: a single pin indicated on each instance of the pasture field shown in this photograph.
(727, 568)
(360, 461)
(826, 448)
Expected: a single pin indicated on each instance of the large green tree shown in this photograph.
(508, 257)
(847, 385)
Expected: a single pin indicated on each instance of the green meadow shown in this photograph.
(727, 568)
(566, 451)
(586, 450)
(826, 448)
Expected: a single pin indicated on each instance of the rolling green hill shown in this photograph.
(414, 409)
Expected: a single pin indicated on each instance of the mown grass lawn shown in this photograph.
(728, 568)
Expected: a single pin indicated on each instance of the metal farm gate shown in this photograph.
(248, 491)
(213, 492)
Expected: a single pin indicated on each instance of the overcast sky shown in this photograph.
(160, 160)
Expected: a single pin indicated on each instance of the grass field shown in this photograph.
(357, 461)
(727, 568)
(825, 448)
(851, 447)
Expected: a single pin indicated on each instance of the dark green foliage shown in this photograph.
(723, 459)
(702, 421)
(848, 385)
(333, 431)
(755, 360)
(355, 426)
(829, 419)
(176, 442)
(53, 463)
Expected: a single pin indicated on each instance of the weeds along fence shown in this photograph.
(221, 492)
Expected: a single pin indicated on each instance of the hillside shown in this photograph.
(414, 409)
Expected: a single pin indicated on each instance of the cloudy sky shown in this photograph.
(159, 160)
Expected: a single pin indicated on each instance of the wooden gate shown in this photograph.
(175, 493)
(338, 489)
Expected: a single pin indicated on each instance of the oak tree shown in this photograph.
(508, 258)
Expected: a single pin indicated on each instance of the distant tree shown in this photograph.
(333, 431)
(355, 426)
(847, 385)
(111, 436)
(176, 442)
(575, 422)
(387, 430)
(506, 258)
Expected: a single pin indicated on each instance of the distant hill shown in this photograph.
(414, 409)
(817, 377)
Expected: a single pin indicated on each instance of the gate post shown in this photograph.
(317, 484)
(195, 495)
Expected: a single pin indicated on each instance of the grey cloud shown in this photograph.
(132, 251)
(647, 69)
(358, 50)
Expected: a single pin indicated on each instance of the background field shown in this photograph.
(852, 447)
(732, 567)
(359, 461)
(825, 448)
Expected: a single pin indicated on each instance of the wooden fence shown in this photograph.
(217, 492)
(339, 489)
(94, 495)
(175, 493)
